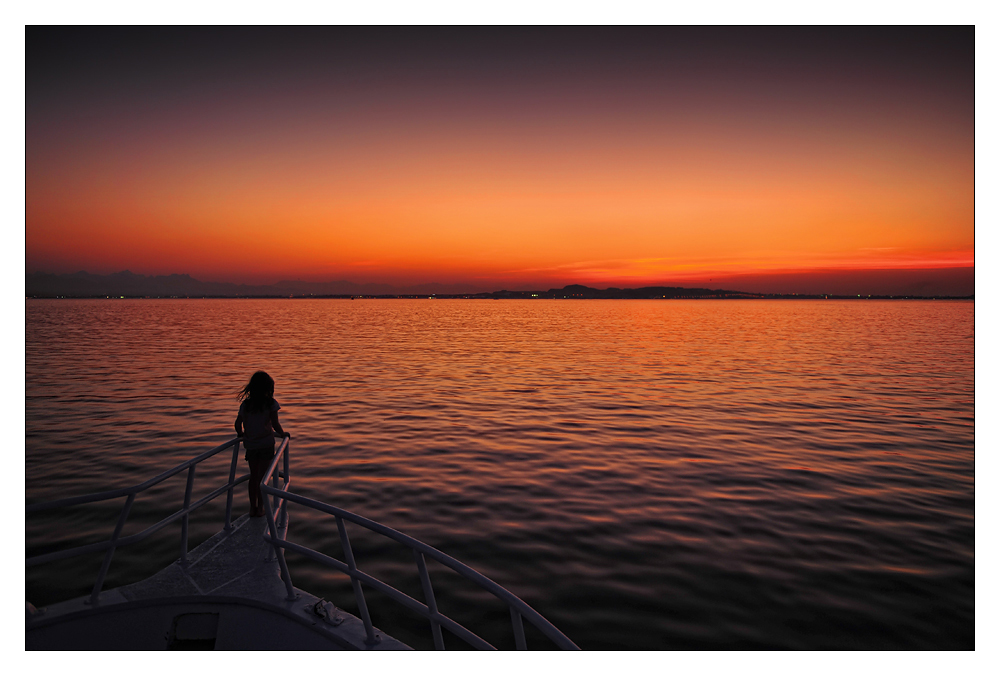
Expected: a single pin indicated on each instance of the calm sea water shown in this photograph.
(646, 474)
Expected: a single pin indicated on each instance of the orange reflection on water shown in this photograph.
(727, 455)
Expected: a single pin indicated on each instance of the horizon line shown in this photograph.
(82, 284)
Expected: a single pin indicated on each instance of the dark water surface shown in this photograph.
(646, 474)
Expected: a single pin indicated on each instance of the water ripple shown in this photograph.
(653, 475)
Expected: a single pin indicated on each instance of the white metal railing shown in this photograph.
(276, 511)
(277, 521)
(109, 546)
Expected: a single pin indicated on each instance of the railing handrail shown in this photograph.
(514, 603)
(138, 488)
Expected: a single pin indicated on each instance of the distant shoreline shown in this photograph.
(126, 284)
(452, 296)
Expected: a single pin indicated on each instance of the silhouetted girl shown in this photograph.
(257, 423)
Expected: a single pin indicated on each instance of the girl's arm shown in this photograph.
(275, 424)
(239, 425)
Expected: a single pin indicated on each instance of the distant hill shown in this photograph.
(580, 291)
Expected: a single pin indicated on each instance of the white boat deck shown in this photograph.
(229, 596)
(227, 564)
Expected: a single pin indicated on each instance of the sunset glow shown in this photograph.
(494, 159)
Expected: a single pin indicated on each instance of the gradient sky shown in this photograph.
(492, 158)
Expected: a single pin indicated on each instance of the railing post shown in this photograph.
(425, 582)
(515, 619)
(274, 482)
(279, 552)
(99, 583)
(283, 519)
(184, 519)
(229, 495)
(359, 594)
(270, 504)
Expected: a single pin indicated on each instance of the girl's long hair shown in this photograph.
(259, 392)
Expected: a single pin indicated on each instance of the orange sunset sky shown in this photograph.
(481, 159)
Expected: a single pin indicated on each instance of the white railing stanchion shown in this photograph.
(359, 594)
(515, 619)
(274, 476)
(425, 582)
(99, 583)
(229, 493)
(288, 483)
(279, 552)
(184, 520)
